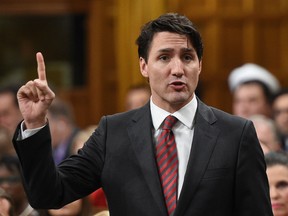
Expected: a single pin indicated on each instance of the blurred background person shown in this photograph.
(81, 137)
(102, 213)
(10, 115)
(280, 115)
(10, 181)
(277, 173)
(6, 147)
(252, 87)
(267, 133)
(63, 129)
(79, 207)
(6, 204)
(137, 96)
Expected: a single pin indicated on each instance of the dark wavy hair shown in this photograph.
(276, 158)
(170, 22)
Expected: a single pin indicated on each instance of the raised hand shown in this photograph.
(35, 97)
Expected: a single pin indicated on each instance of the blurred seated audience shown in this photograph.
(10, 115)
(80, 207)
(63, 128)
(6, 204)
(103, 213)
(252, 87)
(6, 146)
(137, 96)
(267, 133)
(277, 173)
(280, 115)
(81, 137)
(10, 181)
(98, 200)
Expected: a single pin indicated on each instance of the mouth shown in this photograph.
(276, 205)
(177, 84)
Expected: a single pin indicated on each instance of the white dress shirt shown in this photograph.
(183, 131)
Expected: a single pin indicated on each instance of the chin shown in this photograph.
(179, 102)
(181, 98)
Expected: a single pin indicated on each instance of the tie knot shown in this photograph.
(169, 122)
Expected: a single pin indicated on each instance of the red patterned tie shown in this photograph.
(167, 160)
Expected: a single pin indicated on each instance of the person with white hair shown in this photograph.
(252, 87)
(267, 133)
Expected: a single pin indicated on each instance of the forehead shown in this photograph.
(282, 99)
(249, 89)
(6, 96)
(165, 40)
(277, 172)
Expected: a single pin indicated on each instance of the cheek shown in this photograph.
(193, 69)
(193, 78)
(285, 196)
(157, 73)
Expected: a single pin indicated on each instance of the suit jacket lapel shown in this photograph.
(205, 136)
(140, 132)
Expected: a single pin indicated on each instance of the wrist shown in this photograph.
(35, 124)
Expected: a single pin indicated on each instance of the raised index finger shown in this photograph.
(41, 66)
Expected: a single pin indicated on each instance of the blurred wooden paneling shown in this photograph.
(102, 78)
(234, 32)
(42, 6)
(99, 96)
(129, 17)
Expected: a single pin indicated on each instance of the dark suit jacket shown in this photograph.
(225, 174)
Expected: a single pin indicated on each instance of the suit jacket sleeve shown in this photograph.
(48, 186)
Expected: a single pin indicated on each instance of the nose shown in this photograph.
(177, 68)
(273, 192)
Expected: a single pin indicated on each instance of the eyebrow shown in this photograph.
(186, 49)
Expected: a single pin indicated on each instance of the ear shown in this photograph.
(200, 66)
(143, 67)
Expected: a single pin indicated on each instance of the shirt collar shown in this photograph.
(186, 114)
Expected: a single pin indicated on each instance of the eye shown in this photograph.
(164, 57)
(188, 57)
(282, 185)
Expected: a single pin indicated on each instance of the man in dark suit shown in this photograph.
(218, 168)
